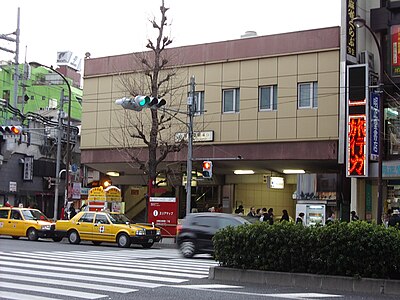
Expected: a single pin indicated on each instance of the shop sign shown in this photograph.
(395, 35)
(28, 168)
(13, 186)
(351, 34)
(163, 211)
(374, 126)
(198, 136)
(357, 121)
(76, 190)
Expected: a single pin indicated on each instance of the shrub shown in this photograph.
(349, 249)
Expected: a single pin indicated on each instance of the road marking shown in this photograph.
(208, 286)
(74, 269)
(105, 268)
(82, 277)
(47, 290)
(18, 296)
(305, 296)
(297, 296)
(136, 263)
(71, 283)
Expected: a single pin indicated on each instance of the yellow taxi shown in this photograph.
(106, 227)
(25, 222)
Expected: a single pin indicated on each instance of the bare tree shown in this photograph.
(152, 127)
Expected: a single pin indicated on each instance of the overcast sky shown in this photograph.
(106, 28)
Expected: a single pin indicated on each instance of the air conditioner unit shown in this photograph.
(366, 57)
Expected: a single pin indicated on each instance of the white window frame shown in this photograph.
(273, 97)
(235, 100)
(198, 103)
(313, 92)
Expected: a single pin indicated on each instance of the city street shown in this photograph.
(48, 270)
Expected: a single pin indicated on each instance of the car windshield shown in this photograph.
(118, 218)
(33, 214)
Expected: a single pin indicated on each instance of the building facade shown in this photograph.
(28, 160)
(266, 104)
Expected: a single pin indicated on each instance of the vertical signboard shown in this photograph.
(395, 41)
(357, 121)
(351, 34)
(28, 168)
(163, 211)
(374, 126)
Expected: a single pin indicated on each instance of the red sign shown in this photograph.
(395, 33)
(163, 211)
(357, 120)
(357, 145)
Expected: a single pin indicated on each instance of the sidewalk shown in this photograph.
(312, 281)
(167, 242)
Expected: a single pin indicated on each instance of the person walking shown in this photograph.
(285, 216)
(269, 216)
(300, 219)
(354, 216)
(252, 212)
(331, 219)
(394, 220)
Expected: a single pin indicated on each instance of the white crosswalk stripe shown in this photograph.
(56, 274)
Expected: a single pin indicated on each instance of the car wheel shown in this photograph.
(57, 239)
(15, 237)
(32, 234)
(123, 240)
(147, 245)
(188, 248)
(73, 237)
(97, 243)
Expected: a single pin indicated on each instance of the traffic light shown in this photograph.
(140, 102)
(11, 130)
(207, 169)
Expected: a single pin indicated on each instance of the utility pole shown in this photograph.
(190, 114)
(16, 73)
(16, 52)
(58, 157)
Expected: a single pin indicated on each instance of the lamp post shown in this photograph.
(360, 22)
(58, 173)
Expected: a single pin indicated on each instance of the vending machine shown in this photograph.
(313, 213)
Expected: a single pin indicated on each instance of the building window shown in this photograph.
(199, 103)
(230, 101)
(307, 95)
(268, 98)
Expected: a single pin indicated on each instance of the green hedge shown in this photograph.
(349, 249)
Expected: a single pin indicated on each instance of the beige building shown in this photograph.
(265, 104)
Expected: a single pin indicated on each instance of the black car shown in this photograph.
(195, 233)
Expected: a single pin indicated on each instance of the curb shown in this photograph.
(323, 282)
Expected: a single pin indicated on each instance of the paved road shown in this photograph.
(45, 270)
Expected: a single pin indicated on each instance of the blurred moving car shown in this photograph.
(104, 226)
(25, 222)
(195, 234)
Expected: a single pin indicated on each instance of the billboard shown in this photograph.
(357, 140)
(163, 211)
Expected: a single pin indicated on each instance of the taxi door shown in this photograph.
(102, 229)
(16, 224)
(84, 226)
(4, 225)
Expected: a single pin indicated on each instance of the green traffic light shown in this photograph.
(144, 100)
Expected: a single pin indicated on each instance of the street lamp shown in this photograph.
(58, 173)
(360, 22)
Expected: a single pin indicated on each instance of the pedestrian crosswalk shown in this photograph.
(94, 274)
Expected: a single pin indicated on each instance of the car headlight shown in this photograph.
(158, 232)
(140, 232)
(45, 227)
